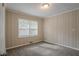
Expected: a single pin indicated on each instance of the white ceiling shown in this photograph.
(36, 10)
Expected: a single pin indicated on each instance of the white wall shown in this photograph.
(2, 30)
(63, 29)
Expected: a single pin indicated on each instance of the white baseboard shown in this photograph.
(20, 45)
(64, 46)
(16, 46)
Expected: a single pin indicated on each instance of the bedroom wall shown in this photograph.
(12, 39)
(2, 30)
(63, 29)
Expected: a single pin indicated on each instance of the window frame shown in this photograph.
(29, 35)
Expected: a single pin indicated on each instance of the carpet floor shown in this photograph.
(42, 49)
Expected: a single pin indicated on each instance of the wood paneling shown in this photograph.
(63, 29)
(12, 39)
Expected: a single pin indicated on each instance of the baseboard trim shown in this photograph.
(21, 45)
(63, 45)
(16, 46)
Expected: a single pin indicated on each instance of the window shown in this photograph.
(27, 28)
(33, 27)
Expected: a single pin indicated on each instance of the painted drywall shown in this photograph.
(12, 39)
(2, 30)
(63, 29)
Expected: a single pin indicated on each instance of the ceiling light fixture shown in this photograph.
(45, 5)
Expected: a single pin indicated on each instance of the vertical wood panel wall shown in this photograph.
(12, 39)
(63, 29)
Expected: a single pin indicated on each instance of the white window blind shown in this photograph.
(27, 28)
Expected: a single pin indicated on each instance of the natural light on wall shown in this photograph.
(27, 28)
